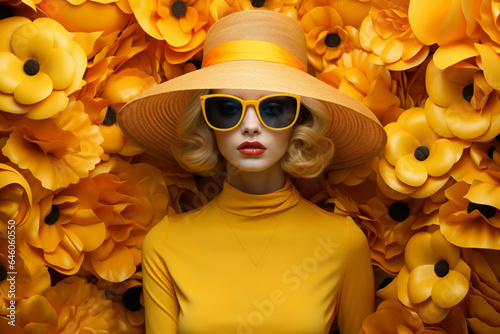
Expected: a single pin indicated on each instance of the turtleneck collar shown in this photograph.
(241, 203)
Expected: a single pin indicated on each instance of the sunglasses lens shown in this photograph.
(223, 112)
(278, 112)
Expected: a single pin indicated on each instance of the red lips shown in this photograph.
(251, 144)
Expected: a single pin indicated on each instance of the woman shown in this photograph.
(258, 258)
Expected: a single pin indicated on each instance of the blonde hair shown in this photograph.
(309, 151)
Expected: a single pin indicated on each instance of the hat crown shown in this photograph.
(259, 25)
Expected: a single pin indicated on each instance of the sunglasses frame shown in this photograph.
(245, 103)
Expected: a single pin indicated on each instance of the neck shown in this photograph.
(257, 183)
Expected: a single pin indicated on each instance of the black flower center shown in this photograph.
(3, 273)
(195, 62)
(332, 40)
(179, 8)
(399, 211)
(487, 211)
(385, 282)
(421, 153)
(490, 152)
(110, 117)
(132, 299)
(53, 216)
(258, 3)
(468, 92)
(441, 268)
(5, 12)
(31, 67)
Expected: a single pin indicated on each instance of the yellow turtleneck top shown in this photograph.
(249, 264)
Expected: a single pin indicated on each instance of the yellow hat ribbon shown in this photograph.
(251, 50)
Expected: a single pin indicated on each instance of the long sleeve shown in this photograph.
(161, 306)
(358, 291)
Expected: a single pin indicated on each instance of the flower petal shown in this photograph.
(489, 62)
(54, 103)
(418, 251)
(171, 31)
(60, 67)
(117, 267)
(420, 283)
(411, 171)
(441, 158)
(11, 71)
(448, 291)
(33, 89)
(31, 41)
(10, 105)
(444, 250)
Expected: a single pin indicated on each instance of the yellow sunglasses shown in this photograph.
(225, 112)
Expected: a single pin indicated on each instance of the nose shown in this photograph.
(251, 123)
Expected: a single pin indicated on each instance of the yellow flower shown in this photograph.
(132, 199)
(470, 218)
(482, 311)
(65, 229)
(40, 67)
(30, 279)
(16, 198)
(416, 161)
(392, 317)
(71, 306)
(461, 102)
(391, 225)
(355, 75)
(58, 151)
(88, 15)
(444, 22)
(434, 278)
(387, 35)
(182, 24)
(327, 37)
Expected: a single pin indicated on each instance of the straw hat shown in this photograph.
(255, 50)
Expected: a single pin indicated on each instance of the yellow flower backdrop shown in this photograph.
(81, 197)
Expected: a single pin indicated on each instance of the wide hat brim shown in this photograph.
(150, 120)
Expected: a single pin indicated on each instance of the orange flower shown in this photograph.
(274, 5)
(30, 279)
(41, 66)
(127, 301)
(387, 35)
(470, 218)
(389, 228)
(411, 88)
(327, 38)
(58, 151)
(460, 95)
(65, 229)
(487, 14)
(352, 12)
(110, 58)
(354, 175)
(358, 77)
(16, 198)
(434, 278)
(482, 303)
(88, 15)
(415, 161)
(392, 317)
(182, 24)
(71, 306)
(132, 199)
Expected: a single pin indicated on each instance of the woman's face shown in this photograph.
(252, 147)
